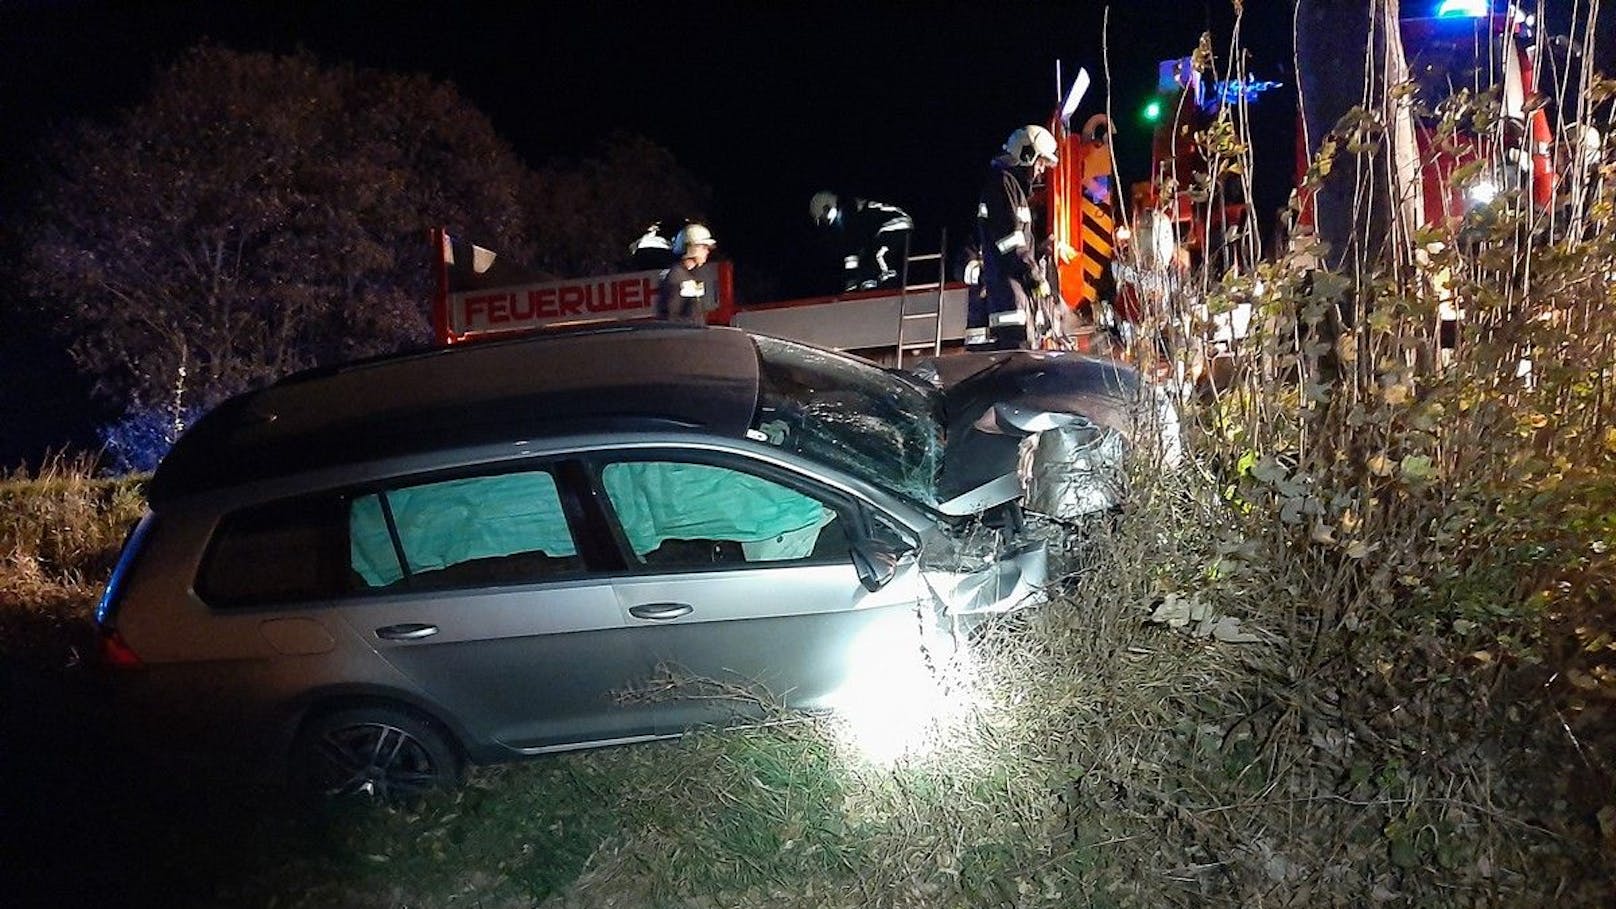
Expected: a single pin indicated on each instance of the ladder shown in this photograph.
(928, 297)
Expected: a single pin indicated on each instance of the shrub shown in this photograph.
(137, 441)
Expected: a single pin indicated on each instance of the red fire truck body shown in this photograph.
(1448, 53)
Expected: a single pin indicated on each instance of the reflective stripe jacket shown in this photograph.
(1004, 228)
(866, 228)
(1009, 262)
(686, 295)
(865, 219)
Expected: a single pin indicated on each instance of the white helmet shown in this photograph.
(1029, 144)
(822, 207)
(1585, 143)
(693, 235)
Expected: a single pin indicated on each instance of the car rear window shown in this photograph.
(461, 533)
(285, 551)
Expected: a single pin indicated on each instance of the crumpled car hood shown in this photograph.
(1076, 409)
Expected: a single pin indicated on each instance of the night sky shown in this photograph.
(765, 102)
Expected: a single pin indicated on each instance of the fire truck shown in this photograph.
(1170, 225)
(1452, 163)
(1444, 47)
(474, 300)
(1466, 45)
(481, 294)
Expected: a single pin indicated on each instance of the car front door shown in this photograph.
(742, 589)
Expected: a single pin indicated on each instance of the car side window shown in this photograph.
(882, 530)
(683, 515)
(280, 552)
(472, 532)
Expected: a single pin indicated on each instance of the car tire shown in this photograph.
(381, 753)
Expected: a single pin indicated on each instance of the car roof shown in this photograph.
(684, 378)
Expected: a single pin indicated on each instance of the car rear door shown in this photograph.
(740, 585)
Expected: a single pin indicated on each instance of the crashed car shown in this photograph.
(366, 576)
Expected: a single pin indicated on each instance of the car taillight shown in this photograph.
(113, 650)
(115, 653)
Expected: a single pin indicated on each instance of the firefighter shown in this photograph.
(688, 291)
(1012, 279)
(871, 237)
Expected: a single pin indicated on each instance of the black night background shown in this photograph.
(764, 103)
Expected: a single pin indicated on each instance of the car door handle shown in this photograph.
(409, 631)
(660, 611)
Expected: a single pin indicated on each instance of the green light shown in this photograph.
(1152, 111)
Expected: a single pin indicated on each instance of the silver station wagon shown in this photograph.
(371, 574)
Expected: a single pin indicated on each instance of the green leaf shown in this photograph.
(1417, 467)
(1329, 285)
(1268, 470)
(1464, 174)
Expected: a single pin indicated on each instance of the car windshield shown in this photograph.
(851, 415)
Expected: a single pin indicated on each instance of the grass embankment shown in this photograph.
(1104, 759)
(60, 530)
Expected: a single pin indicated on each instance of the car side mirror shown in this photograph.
(877, 562)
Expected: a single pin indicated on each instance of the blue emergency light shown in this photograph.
(1234, 90)
(1467, 9)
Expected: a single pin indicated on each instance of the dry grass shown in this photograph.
(60, 532)
(1107, 760)
(1116, 761)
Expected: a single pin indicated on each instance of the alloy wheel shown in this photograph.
(374, 760)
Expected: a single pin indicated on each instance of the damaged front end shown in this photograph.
(984, 442)
(1075, 470)
(983, 561)
(1069, 466)
(1066, 424)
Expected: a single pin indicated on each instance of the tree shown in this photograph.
(259, 214)
(585, 214)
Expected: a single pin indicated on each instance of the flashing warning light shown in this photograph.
(1473, 9)
(1152, 111)
(1233, 91)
